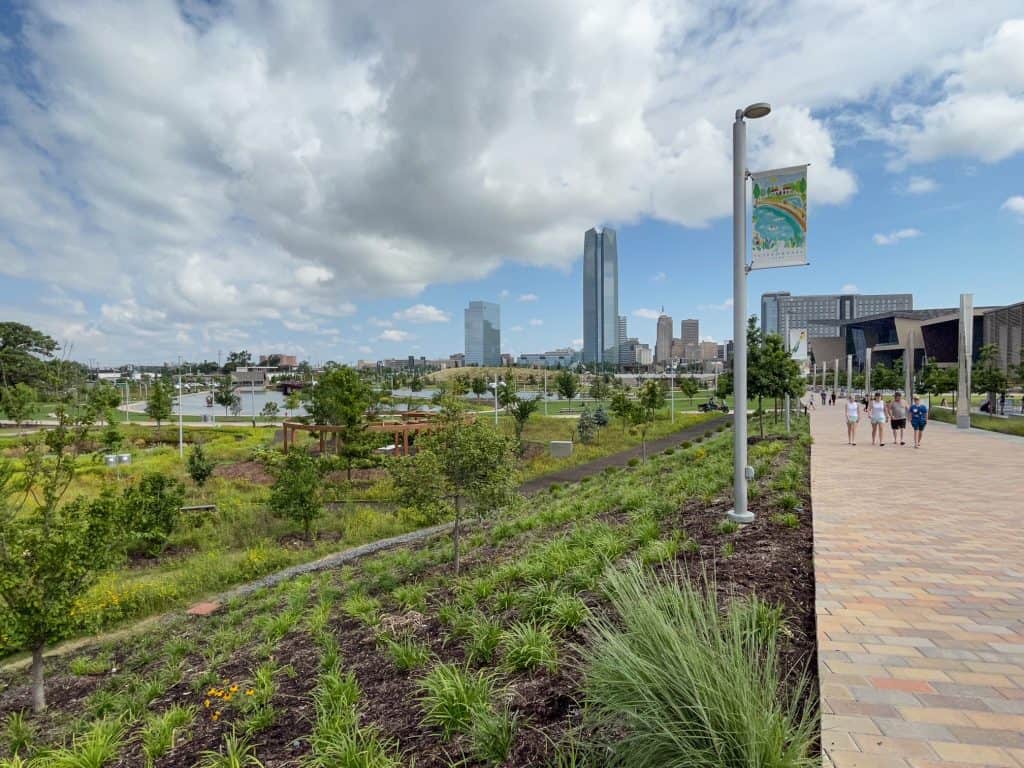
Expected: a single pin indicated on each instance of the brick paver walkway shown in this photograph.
(919, 562)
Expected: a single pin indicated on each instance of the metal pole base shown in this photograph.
(963, 422)
(743, 518)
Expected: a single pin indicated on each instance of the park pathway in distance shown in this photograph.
(919, 564)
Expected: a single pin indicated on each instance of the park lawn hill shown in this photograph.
(537, 654)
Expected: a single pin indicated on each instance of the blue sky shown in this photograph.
(180, 178)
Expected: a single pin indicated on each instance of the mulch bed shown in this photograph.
(250, 471)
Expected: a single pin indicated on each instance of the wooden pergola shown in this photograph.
(403, 433)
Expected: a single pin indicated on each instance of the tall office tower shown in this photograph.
(689, 332)
(600, 297)
(663, 341)
(770, 311)
(621, 334)
(483, 333)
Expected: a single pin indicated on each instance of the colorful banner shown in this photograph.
(798, 343)
(780, 218)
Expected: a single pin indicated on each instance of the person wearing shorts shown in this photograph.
(918, 419)
(879, 415)
(898, 418)
(852, 417)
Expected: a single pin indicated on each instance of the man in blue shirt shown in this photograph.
(918, 419)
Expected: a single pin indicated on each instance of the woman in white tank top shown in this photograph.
(879, 416)
(852, 417)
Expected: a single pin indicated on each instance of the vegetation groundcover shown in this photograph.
(396, 661)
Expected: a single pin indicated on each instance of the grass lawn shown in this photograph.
(538, 654)
(1011, 425)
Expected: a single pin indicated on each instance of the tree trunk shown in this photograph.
(760, 415)
(38, 689)
(455, 532)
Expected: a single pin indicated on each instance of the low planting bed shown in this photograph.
(579, 617)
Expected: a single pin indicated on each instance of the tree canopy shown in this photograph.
(340, 398)
(22, 350)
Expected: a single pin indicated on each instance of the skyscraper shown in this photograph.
(820, 315)
(770, 311)
(600, 297)
(663, 341)
(483, 333)
(621, 335)
(689, 332)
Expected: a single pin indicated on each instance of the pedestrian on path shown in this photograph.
(852, 417)
(879, 415)
(918, 419)
(898, 418)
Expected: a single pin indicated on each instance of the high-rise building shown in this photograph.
(689, 332)
(663, 342)
(821, 315)
(483, 333)
(621, 333)
(600, 297)
(708, 350)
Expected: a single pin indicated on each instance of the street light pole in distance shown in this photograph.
(740, 513)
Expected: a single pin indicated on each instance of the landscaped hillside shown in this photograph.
(394, 661)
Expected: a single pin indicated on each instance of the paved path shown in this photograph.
(919, 563)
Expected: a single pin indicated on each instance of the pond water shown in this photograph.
(195, 405)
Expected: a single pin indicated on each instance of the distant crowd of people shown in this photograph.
(879, 413)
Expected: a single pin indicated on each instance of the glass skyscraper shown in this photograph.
(483, 333)
(600, 297)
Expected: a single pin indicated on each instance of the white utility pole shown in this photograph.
(181, 427)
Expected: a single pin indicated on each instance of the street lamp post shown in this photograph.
(181, 429)
(672, 393)
(740, 513)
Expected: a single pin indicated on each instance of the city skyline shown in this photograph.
(179, 195)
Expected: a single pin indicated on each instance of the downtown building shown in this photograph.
(483, 333)
(823, 316)
(600, 297)
(663, 340)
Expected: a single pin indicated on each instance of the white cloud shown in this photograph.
(646, 314)
(528, 297)
(536, 321)
(516, 328)
(894, 237)
(366, 350)
(1014, 204)
(393, 334)
(59, 299)
(503, 293)
(423, 313)
(726, 304)
(849, 288)
(379, 323)
(576, 343)
(921, 185)
(659, 277)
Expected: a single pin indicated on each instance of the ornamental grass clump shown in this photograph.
(672, 679)
(451, 697)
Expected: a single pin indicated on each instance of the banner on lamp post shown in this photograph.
(780, 218)
(798, 344)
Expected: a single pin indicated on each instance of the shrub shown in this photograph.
(493, 735)
(708, 433)
(728, 526)
(685, 444)
(676, 682)
(668, 451)
(200, 467)
(150, 510)
(452, 696)
(527, 647)
(297, 493)
(633, 462)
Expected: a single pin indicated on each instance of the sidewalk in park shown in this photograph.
(919, 564)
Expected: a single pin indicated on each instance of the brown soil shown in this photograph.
(250, 471)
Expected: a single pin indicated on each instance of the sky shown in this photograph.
(338, 179)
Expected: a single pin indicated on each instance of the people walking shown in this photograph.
(879, 416)
(918, 419)
(852, 417)
(898, 418)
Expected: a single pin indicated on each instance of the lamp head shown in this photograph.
(754, 111)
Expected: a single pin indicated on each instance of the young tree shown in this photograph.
(987, 377)
(651, 397)
(159, 405)
(521, 411)
(149, 512)
(297, 493)
(688, 386)
(621, 406)
(641, 418)
(340, 398)
(224, 394)
(50, 552)
(200, 466)
(292, 403)
(270, 410)
(586, 428)
(599, 389)
(462, 466)
(600, 417)
(567, 384)
(479, 386)
(17, 401)
(416, 385)
(236, 405)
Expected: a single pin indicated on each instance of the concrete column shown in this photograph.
(849, 374)
(867, 371)
(966, 347)
(835, 380)
(908, 367)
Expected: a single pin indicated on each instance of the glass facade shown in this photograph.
(600, 297)
(820, 315)
(483, 333)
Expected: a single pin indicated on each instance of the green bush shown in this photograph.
(451, 697)
(788, 520)
(668, 451)
(527, 647)
(678, 682)
(633, 462)
(150, 510)
(708, 433)
(685, 444)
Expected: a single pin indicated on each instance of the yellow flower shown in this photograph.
(250, 692)
(234, 688)
(206, 703)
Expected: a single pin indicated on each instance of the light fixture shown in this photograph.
(754, 111)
